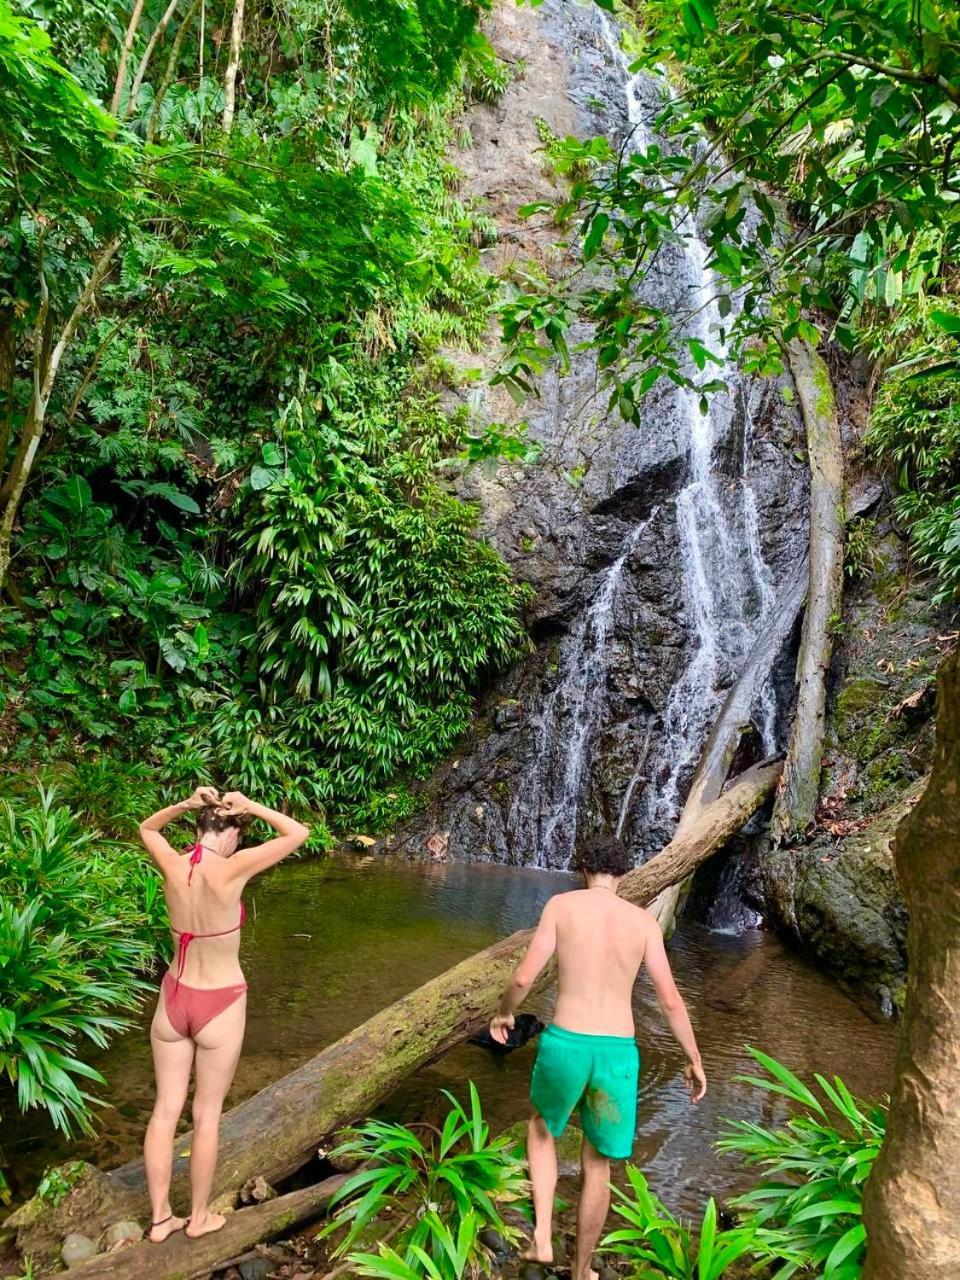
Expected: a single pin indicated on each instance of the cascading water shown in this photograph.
(727, 588)
(545, 816)
(727, 584)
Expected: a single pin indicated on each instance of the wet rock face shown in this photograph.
(599, 513)
(839, 895)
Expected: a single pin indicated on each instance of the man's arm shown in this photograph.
(158, 847)
(290, 835)
(542, 947)
(674, 1010)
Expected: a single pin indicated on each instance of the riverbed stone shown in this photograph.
(121, 1232)
(256, 1268)
(77, 1248)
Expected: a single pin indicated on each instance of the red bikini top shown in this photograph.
(185, 937)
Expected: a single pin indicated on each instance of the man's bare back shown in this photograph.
(600, 944)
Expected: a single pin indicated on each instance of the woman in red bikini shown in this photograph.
(203, 998)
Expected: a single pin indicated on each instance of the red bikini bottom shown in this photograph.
(191, 1008)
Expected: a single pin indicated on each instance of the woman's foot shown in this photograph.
(201, 1224)
(166, 1226)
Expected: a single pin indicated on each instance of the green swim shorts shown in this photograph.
(599, 1075)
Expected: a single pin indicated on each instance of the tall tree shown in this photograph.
(912, 1200)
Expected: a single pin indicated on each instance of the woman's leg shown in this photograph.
(218, 1051)
(172, 1062)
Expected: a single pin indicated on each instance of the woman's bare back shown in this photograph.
(206, 903)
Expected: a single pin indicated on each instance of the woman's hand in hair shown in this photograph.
(204, 796)
(234, 803)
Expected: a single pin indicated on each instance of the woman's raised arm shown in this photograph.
(159, 848)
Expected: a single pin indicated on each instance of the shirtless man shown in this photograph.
(588, 1057)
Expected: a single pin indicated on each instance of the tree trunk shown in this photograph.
(912, 1199)
(799, 788)
(278, 1130)
(46, 364)
(158, 31)
(233, 64)
(179, 1258)
(128, 40)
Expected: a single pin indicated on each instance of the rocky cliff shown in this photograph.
(653, 553)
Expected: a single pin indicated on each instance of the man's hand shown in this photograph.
(234, 803)
(695, 1079)
(501, 1026)
(203, 796)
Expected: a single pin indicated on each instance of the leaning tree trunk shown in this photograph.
(718, 752)
(912, 1200)
(278, 1130)
(799, 788)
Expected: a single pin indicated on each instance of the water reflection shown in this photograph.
(331, 942)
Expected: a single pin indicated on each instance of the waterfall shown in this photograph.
(546, 811)
(727, 588)
(727, 585)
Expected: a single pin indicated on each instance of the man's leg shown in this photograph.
(592, 1210)
(542, 1157)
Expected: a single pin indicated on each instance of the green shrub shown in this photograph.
(816, 1166)
(81, 919)
(654, 1236)
(915, 431)
(441, 1192)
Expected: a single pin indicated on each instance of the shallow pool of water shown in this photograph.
(330, 942)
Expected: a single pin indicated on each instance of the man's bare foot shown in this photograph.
(160, 1230)
(538, 1251)
(203, 1224)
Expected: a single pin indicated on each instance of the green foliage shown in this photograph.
(441, 1192)
(654, 1236)
(915, 432)
(80, 920)
(850, 115)
(487, 76)
(816, 1166)
(862, 556)
(238, 559)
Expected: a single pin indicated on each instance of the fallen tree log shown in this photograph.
(718, 752)
(797, 795)
(179, 1258)
(279, 1129)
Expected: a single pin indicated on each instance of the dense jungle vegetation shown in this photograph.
(231, 262)
(228, 545)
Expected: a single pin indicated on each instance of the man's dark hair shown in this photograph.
(210, 819)
(603, 856)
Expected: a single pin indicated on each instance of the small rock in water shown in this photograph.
(76, 1249)
(257, 1190)
(120, 1233)
(498, 1246)
(257, 1268)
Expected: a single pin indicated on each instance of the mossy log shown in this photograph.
(179, 1258)
(796, 801)
(912, 1199)
(279, 1129)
